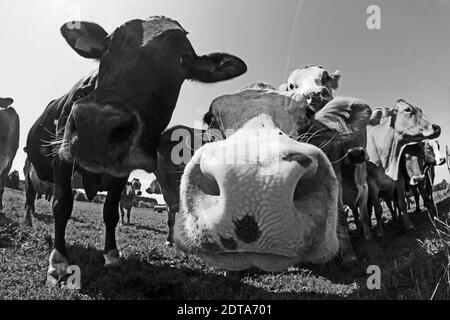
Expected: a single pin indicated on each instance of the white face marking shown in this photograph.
(155, 26)
(438, 155)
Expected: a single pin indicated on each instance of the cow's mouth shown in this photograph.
(243, 260)
(128, 160)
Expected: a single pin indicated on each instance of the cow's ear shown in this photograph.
(216, 67)
(334, 79)
(376, 117)
(6, 102)
(86, 38)
(345, 115)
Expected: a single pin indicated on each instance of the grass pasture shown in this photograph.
(413, 265)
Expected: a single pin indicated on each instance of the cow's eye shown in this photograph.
(291, 86)
(185, 61)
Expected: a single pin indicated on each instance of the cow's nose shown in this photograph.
(318, 96)
(437, 129)
(122, 130)
(101, 133)
(357, 155)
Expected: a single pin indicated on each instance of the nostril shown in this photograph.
(123, 131)
(325, 93)
(205, 182)
(436, 128)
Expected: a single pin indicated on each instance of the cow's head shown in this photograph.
(315, 83)
(5, 102)
(433, 154)
(410, 124)
(259, 198)
(142, 65)
(339, 130)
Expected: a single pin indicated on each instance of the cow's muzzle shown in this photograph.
(357, 155)
(101, 138)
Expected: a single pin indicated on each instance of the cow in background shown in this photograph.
(390, 131)
(35, 188)
(317, 86)
(432, 157)
(131, 190)
(9, 141)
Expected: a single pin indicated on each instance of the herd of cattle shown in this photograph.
(309, 157)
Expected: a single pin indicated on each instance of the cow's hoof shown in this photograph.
(27, 222)
(349, 260)
(367, 234)
(112, 258)
(169, 244)
(380, 232)
(58, 265)
(409, 226)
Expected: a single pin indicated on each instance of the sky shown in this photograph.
(408, 57)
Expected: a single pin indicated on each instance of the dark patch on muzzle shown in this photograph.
(357, 155)
(247, 229)
(228, 244)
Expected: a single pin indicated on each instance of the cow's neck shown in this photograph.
(386, 148)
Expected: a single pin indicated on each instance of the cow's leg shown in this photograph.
(369, 212)
(30, 196)
(345, 246)
(3, 179)
(128, 214)
(427, 199)
(375, 202)
(111, 218)
(392, 208)
(62, 208)
(122, 212)
(417, 199)
(355, 215)
(171, 224)
(401, 201)
(379, 216)
(363, 196)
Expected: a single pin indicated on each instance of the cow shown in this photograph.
(177, 147)
(261, 198)
(389, 132)
(317, 85)
(131, 190)
(110, 122)
(432, 157)
(35, 188)
(9, 141)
